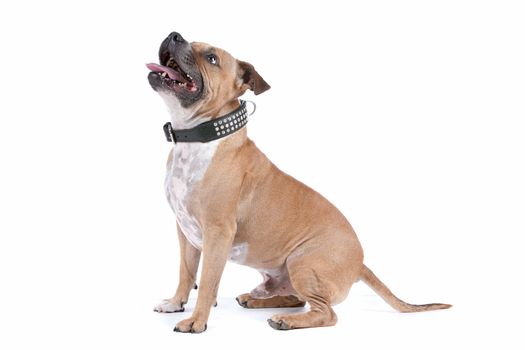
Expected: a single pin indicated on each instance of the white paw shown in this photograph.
(167, 306)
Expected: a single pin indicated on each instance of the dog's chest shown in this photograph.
(185, 171)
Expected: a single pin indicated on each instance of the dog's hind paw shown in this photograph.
(279, 325)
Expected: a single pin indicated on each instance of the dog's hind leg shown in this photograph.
(249, 302)
(322, 277)
(313, 289)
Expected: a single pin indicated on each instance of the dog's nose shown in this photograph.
(176, 37)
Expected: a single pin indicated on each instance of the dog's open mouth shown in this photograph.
(173, 76)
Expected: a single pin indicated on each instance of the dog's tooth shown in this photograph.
(164, 74)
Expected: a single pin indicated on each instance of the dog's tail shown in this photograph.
(373, 282)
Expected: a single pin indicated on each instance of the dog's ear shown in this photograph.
(251, 79)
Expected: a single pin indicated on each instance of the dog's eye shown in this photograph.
(212, 59)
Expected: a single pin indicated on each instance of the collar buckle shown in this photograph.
(168, 131)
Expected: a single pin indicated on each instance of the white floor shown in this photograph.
(365, 322)
(126, 321)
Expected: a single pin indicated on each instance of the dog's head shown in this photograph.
(197, 79)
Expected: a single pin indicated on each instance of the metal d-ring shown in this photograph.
(254, 107)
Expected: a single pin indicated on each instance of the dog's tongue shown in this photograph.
(173, 74)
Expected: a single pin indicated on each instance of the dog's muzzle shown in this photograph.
(177, 71)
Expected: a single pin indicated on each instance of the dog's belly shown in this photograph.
(276, 282)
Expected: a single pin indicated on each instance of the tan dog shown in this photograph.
(232, 203)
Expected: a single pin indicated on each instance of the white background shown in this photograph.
(408, 115)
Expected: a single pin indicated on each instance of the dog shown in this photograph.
(231, 202)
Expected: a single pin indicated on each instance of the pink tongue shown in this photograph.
(173, 74)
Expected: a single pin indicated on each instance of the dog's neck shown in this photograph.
(221, 109)
(186, 118)
(181, 118)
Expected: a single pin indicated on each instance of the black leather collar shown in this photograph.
(210, 130)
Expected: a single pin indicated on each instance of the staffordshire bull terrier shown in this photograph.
(231, 202)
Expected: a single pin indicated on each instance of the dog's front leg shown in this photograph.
(217, 243)
(189, 263)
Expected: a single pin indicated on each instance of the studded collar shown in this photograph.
(210, 130)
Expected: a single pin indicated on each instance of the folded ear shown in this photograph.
(251, 79)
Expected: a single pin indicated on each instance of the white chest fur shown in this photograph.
(186, 169)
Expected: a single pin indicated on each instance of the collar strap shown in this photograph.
(210, 130)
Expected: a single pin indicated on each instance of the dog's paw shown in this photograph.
(280, 323)
(191, 325)
(243, 300)
(167, 306)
